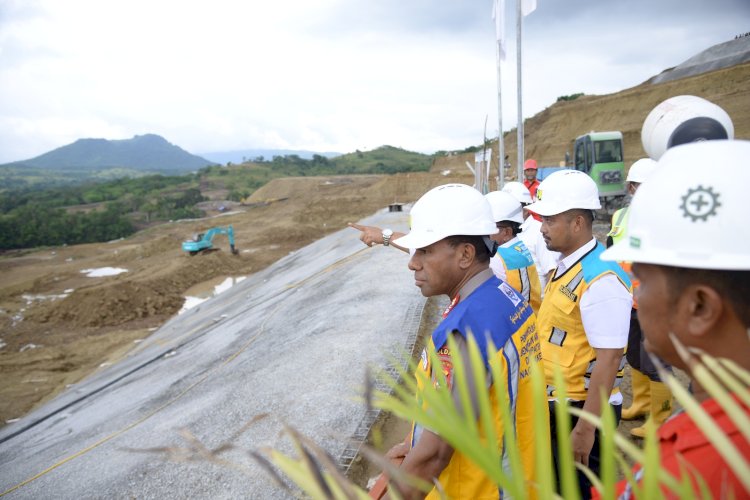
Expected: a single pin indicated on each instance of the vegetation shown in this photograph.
(313, 473)
(37, 225)
(93, 212)
(66, 213)
(571, 97)
(383, 160)
(15, 177)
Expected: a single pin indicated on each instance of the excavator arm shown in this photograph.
(205, 242)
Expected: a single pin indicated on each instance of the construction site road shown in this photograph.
(291, 342)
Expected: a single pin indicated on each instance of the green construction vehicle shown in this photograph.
(203, 242)
(600, 155)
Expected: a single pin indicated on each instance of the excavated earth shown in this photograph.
(57, 324)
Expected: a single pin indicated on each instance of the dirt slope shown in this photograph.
(550, 133)
(57, 324)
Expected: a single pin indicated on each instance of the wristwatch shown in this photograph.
(387, 233)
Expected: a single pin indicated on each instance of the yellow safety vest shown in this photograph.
(619, 228)
(521, 273)
(619, 224)
(563, 339)
(461, 478)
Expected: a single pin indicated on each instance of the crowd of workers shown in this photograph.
(523, 270)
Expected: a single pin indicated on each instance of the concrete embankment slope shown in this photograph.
(291, 341)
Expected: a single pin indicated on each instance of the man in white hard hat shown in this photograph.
(519, 192)
(513, 262)
(638, 173)
(584, 318)
(545, 260)
(694, 270)
(651, 396)
(450, 232)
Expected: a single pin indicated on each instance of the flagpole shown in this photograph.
(519, 127)
(500, 138)
(498, 14)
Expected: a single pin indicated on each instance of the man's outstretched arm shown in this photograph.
(373, 235)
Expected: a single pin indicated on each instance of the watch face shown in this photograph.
(387, 232)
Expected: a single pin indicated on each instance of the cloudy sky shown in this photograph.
(323, 75)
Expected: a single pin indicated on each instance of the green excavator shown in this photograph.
(203, 242)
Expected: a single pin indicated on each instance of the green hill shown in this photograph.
(382, 160)
(102, 159)
(143, 152)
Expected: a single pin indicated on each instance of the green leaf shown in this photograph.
(567, 470)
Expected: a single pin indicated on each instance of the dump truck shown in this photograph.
(600, 155)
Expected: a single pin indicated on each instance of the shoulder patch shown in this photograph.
(510, 293)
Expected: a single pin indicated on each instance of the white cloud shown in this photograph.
(321, 74)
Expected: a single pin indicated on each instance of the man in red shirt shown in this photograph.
(529, 172)
(694, 286)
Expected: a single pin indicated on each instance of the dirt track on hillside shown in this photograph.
(57, 325)
(550, 133)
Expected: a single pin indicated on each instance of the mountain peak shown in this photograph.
(150, 138)
(149, 152)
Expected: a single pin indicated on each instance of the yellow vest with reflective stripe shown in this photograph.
(560, 328)
(514, 322)
(521, 274)
(619, 224)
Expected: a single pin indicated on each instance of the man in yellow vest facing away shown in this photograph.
(584, 318)
(638, 173)
(650, 395)
(513, 262)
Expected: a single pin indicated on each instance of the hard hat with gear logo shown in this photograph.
(504, 207)
(565, 190)
(640, 170)
(518, 191)
(691, 212)
(448, 210)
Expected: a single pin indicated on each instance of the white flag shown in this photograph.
(498, 14)
(527, 7)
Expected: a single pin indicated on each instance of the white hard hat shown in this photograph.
(448, 210)
(518, 191)
(683, 119)
(640, 170)
(565, 190)
(504, 207)
(692, 211)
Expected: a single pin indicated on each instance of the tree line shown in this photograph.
(105, 210)
(93, 212)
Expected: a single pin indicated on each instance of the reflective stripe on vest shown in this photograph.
(619, 224)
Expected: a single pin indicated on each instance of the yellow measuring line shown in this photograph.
(186, 390)
(330, 268)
